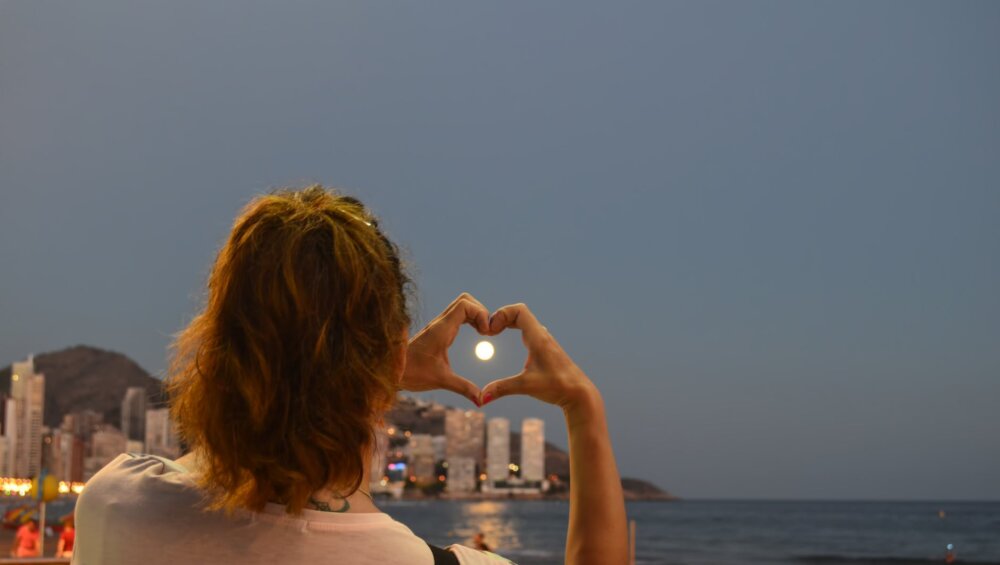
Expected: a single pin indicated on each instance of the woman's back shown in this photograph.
(146, 510)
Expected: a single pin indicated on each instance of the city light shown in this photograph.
(17, 486)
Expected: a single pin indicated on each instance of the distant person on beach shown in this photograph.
(65, 546)
(279, 386)
(26, 540)
(479, 542)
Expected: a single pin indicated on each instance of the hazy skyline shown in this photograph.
(768, 231)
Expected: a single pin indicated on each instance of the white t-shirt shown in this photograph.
(144, 510)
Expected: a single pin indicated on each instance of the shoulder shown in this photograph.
(131, 467)
(135, 481)
(129, 471)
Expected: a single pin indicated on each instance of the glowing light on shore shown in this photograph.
(484, 350)
(17, 486)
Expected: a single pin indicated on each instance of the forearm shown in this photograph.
(597, 522)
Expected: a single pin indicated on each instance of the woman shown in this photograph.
(65, 546)
(26, 540)
(278, 387)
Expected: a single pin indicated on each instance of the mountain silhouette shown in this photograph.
(84, 377)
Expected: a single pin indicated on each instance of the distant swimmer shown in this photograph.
(479, 542)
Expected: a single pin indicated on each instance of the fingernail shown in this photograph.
(475, 401)
(487, 396)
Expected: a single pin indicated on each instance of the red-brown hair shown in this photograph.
(282, 378)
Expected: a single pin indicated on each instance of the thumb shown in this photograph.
(503, 387)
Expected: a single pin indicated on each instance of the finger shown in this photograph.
(482, 326)
(466, 310)
(460, 385)
(503, 387)
(520, 317)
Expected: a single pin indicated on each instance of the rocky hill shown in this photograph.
(84, 377)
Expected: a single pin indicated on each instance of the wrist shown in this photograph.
(585, 406)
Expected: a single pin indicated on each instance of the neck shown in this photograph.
(360, 499)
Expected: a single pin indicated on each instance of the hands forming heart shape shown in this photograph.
(548, 375)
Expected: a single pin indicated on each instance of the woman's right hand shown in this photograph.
(549, 374)
(427, 364)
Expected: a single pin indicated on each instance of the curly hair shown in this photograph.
(281, 379)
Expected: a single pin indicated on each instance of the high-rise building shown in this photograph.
(161, 439)
(532, 450)
(497, 450)
(51, 454)
(82, 423)
(440, 444)
(71, 453)
(421, 450)
(4, 471)
(461, 475)
(134, 414)
(106, 444)
(6, 414)
(27, 389)
(8, 461)
(464, 430)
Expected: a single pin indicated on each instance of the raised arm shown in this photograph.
(597, 524)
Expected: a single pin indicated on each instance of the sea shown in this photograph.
(697, 532)
(729, 532)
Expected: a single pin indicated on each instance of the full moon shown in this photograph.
(484, 350)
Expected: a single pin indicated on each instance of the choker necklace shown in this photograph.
(325, 506)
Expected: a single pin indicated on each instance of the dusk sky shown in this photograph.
(768, 231)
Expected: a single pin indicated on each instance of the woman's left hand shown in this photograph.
(427, 365)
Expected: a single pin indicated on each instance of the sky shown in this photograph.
(768, 231)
